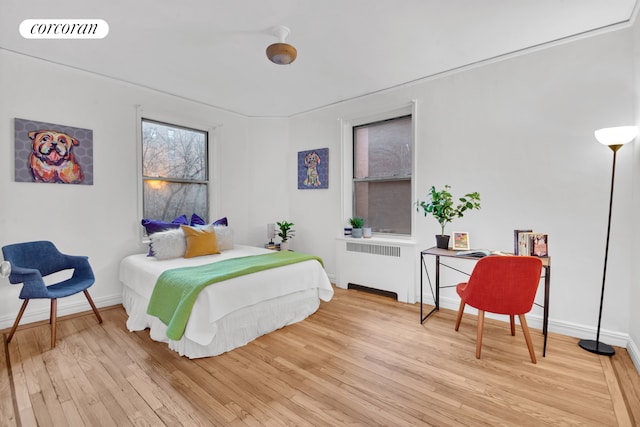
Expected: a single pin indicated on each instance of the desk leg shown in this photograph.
(545, 320)
(437, 301)
(421, 261)
(436, 307)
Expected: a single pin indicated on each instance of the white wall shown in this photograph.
(520, 132)
(102, 220)
(268, 188)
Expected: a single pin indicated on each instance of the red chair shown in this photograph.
(503, 285)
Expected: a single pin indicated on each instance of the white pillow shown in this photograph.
(224, 236)
(168, 244)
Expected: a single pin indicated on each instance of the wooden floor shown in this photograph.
(362, 359)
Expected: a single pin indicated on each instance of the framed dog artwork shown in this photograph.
(46, 152)
(313, 169)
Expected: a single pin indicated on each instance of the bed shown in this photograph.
(231, 313)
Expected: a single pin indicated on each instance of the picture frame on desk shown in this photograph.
(539, 245)
(461, 241)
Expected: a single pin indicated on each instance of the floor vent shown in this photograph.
(369, 248)
(372, 290)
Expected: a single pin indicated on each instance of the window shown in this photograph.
(175, 171)
(382, 165)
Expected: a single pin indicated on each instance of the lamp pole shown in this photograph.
(591, 345)
(614, 138)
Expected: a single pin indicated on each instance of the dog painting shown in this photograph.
(311, 162)
(313, 169)
(56, 154)
(52, 157)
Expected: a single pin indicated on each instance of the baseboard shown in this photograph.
(35, 314)
(534, 320)
(634, 353)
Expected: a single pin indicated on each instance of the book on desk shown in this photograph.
(480, 253)
(526, 242)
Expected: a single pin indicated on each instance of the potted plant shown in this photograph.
(440, 204)
(356, 226)
(285, 232)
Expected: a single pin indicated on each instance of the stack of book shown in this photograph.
(526, 242)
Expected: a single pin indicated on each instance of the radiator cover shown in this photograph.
(383, 264)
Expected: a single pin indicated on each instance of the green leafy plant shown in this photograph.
(286, 230)
(356, 222)
(440, 204)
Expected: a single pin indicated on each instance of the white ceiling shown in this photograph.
(213, 51)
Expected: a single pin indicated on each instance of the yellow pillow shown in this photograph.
(200, 241)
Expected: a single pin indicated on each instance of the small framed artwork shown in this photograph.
(313, 169)
(461, 241)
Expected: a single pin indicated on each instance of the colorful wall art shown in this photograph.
(46, 152)
(313, 169)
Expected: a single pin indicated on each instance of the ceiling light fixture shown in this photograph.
(281, 53)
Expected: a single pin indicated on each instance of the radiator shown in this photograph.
(380, 264)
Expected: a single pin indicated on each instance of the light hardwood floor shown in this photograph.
(362, 359)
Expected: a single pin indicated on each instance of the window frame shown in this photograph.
(211, 159)
(348, 179)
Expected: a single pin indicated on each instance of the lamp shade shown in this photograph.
(616, 135)
(271, 231)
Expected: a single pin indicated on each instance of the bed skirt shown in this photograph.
(231, 331)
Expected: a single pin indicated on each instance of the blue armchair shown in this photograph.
(31, 261)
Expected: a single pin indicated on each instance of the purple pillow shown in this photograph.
(154, 225)
(221, 221)
(196, 220)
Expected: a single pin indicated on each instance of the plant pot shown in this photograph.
(442, 241)
(284, 245)
(356, 232)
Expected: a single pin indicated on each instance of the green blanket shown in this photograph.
(177, 289)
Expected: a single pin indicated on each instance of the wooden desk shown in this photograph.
(447, 253)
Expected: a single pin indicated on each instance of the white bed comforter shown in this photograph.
(139, 273)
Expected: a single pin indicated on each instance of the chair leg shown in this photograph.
(52, 320)
(460, 311)
(513, 325)
(15, 324)
(93, 306)
(527, 337)
(480, 330)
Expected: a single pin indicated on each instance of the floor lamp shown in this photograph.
(614, 138)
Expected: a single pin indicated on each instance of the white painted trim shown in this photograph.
(395, 240)
(634, 353)
(139, 191)
(212, 153)
(616, 26)
(534, 320)
(346, 141)
(36, 315)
